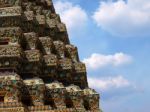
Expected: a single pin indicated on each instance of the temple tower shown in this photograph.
(40, 71)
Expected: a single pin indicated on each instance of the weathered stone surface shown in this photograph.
(31, 40)
(46, 45)
(33, 55)
(29, 15)
(65, 64)
(51, 60)
(10, 51)
(15, 109)
(8, 3)
(10, 11)
(72, 52)
(60, 49)
(40, 70)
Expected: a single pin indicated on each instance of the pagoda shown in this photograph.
(40, 70)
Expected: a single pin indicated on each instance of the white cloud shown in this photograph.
(96, 61)
(108, 83)
(131, 18)
(72, 15)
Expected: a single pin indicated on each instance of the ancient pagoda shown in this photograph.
(40, 70)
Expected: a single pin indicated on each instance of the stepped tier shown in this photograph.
(17, 92)
(40, 71)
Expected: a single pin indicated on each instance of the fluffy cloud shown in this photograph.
(99, 60)
(122, 18)
(72, 15)
(104, 84)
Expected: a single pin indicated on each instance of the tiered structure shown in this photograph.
(40, 70)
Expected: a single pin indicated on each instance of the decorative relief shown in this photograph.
(10, 11)
(16, 109)
(75, 94)
(9, 2)
(47, 44)
(60, 48)
(10, 50)
(72, 52)
(33, 55)
(50, 60)
(47, 13)
(80, 67)
(31, 39)
(35, 81)
(65, 64)
(29, 15)
(9, 85)
(49, 2)
(13, 34)
(61, 27)
(12, 97)
(40, 19)
(57, 91)
(56, 17)
(38, 9)
(90, 91)
(54, 85)
(51, 23)
(36, 89)
(9, 76)
(73, 88)
(92, 97)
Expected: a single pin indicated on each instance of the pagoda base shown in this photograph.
(23, 109)
(14, 109)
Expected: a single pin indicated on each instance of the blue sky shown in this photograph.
(113, 39)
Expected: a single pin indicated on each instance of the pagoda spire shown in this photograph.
(40, 70)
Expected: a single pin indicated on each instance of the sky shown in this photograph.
(113, 40)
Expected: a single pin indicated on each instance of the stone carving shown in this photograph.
(10, 11)
(50, 60)
(40, 70)
(31, 39)
(29, 16)
(56, 91)
(65, 64)
(92, 98)
(72, 52)
(60, 48)
(16, 109)
(6, 3)
(49, 2)
(61, 27)
(40, 19)
(76, 94)
(47, 44)
(51, 23)
(11, 34)
(33, 55)
(80, 67)
(36, 89)
(10, 50)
